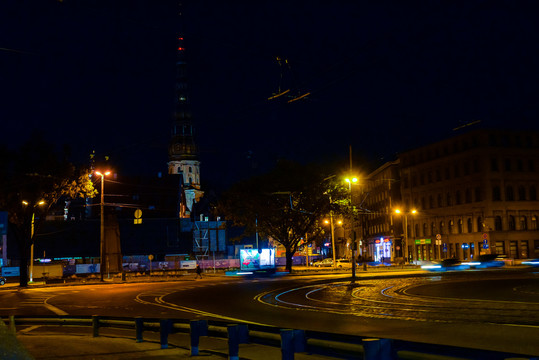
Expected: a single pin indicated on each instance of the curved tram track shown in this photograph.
(402, 299)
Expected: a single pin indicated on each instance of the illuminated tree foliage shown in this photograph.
(289, 203)
(32, 180)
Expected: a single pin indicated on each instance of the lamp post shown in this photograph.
(354, 244)
(32, 238)
(405, 253)
(102, 228)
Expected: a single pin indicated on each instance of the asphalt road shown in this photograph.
(492, 310)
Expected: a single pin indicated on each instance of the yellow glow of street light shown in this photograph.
(414, 211)
(24, 202)
(354, 180)
(339, 222)
(397, 211)
(102, 174)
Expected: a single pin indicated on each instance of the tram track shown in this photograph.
(395, 299)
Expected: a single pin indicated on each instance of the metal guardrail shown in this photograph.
(290, 341)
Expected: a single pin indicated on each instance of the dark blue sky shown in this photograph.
(383, 76)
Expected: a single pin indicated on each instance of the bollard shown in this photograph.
(95, 325)
(139, 328)
(12, 324)
(377, 349)
(198, 328)
(164, 329)
(287, 344)
(237, 334)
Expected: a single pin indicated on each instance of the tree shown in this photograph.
(36, 174)
(288, 203)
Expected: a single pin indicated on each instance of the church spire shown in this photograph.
(182, 150)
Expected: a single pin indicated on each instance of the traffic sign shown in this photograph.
(438, 236)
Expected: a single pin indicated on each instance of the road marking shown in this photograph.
(30, 328)
(52, 308)
(160, 302)
(55, 310)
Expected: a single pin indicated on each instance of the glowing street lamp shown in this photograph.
(102, 236)
(351, 181)
(406, 253)
(25, 203)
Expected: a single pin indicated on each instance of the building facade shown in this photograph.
(473, 194)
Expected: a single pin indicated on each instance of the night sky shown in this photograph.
(383, 77)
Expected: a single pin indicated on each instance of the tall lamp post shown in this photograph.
(332, 229)
(354, 244)
(32, 238)
(102, 232)
(405, 253)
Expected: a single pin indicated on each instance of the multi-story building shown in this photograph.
(380, 193)
(475, 193)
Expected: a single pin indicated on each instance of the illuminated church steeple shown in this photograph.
(182, 151)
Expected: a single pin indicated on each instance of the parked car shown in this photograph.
(324, 263)
(2, 280)
(343, 263)
(339, 263)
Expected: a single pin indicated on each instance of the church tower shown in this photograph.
(182, 151)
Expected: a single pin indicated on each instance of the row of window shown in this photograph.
(469, 142)
(459, 227)
(465, 169)
(475, 195)
(510, 193)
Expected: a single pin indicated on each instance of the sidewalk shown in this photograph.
(52, 343)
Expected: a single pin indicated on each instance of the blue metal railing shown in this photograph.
(290, 341)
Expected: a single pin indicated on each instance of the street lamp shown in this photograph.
(332, 236)
(25, 203)
(102, 235)
(354, 245)
(406, 253)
